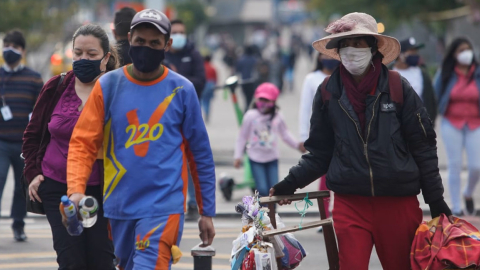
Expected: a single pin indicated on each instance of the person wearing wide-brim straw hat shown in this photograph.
(375, 142)
(357, 25)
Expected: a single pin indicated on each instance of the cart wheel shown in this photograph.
(227, 193)
(226, 186)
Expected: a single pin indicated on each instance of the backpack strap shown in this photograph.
(396, 88)
(325, 94)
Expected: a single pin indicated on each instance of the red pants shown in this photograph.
(389, 223)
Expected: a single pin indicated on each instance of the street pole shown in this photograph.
(202, 257)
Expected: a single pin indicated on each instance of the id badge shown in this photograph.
(6, 113)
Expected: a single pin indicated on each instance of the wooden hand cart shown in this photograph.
(326, 223)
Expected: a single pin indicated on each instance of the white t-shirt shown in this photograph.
(310, 85)
(414, 77)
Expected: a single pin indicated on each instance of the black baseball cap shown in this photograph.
(154, 17)
(410, 43)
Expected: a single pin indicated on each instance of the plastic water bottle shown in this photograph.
(69, 211)
(88, 208)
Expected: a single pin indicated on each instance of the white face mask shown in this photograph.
(356, 60)
(465, 57)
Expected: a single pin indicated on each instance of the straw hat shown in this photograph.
(355, 25)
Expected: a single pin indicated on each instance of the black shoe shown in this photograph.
(19, 234)
(470, 206)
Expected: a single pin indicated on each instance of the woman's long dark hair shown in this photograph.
(449, 62)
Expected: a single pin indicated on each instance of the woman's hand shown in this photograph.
(33, 187)
(282, 202)
(237, 163)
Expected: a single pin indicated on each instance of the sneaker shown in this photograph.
(470, 206)
(19, 234)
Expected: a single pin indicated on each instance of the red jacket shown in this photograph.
(36, 136)
(438, 244)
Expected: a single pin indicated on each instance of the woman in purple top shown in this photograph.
(45, 148)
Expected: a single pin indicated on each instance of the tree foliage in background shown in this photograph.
(389, 11)
(38, 19)
(191, 12)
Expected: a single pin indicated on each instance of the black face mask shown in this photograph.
(87, 70)
(11, 56)
(412, 60)
(146, 59)
(330, 64)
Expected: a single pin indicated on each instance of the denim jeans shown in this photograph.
(455, 141)
(192, 200)
(207, 96)
(265, 175)
(10, 155)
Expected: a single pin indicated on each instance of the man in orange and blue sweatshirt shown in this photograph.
(148, 120)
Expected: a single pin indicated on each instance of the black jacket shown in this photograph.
(188, 63)
(396, 155)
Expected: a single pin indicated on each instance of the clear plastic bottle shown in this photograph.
(69, 211)
(88, 208)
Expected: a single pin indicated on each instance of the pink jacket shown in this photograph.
(259, 135)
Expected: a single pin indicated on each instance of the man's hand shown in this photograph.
(207, 231)
(33, 187)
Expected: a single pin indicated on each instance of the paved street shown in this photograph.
(37, 252)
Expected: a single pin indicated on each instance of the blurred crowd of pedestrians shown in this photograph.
(266, 67)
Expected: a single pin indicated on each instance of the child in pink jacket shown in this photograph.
(261, 127)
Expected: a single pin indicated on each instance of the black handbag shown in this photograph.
(35, 207)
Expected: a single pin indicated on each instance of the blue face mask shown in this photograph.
(11, 56)
(178, 41)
